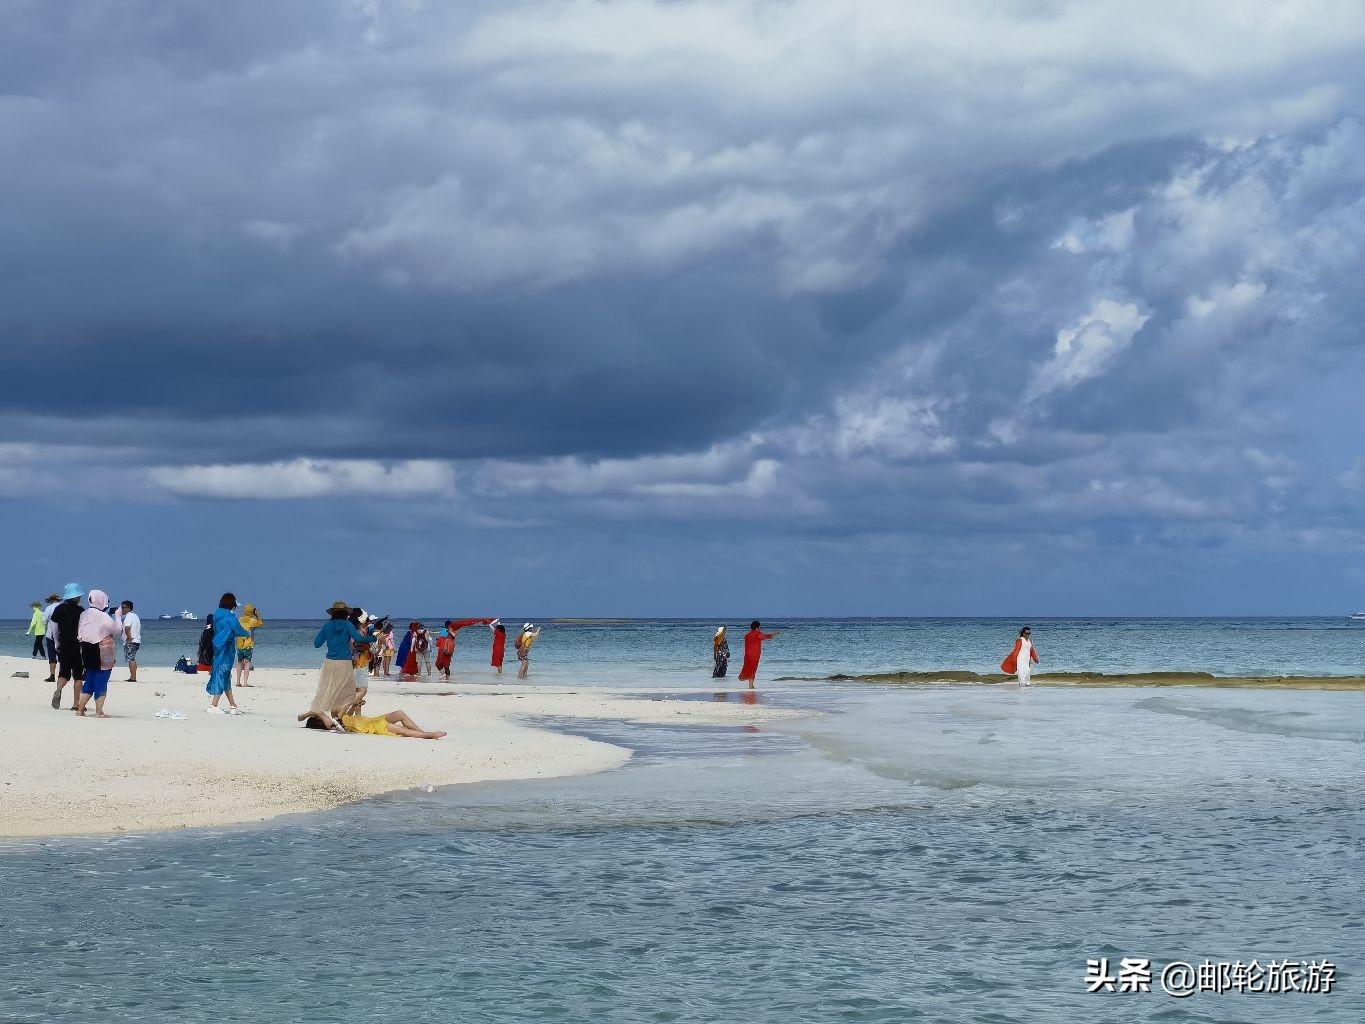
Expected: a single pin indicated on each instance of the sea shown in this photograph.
(927, 852)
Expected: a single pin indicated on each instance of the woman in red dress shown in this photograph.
(499, 644)
(753, 650)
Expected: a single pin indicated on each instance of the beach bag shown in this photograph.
(107, 659)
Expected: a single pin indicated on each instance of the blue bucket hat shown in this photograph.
(72, 590)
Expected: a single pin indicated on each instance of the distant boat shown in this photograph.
(1360, 616)
(186, 615)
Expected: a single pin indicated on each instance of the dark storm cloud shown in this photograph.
(1039, 268)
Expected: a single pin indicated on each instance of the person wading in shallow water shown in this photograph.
(753, 650)
(1020, 660)
(720, 651)
(523, 645)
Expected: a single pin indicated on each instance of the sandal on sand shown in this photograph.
(57, 699)
(215, 711)
(235, 711)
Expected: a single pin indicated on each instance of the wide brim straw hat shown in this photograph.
(720, 630)
(339, 606)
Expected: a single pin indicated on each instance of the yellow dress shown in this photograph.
(370, 725)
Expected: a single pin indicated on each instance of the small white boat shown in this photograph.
(1358, 616)
(186, 615)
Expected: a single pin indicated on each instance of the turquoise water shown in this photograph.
(917, 854)
(678, 650)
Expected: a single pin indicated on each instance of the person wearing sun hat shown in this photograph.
(529, 632)
(246, 645)
(66, 617)
(336, 683)
(720, 651)
(96, 631)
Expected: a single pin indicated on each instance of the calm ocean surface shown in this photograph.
(678, 651)
(924, 853)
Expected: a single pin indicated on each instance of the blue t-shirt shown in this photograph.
(337, 634)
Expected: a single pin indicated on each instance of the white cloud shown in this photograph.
(1087, 348)
(309, 478)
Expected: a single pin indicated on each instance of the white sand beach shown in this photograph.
(135, 772)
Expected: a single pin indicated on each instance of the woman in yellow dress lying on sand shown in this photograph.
(395, 723)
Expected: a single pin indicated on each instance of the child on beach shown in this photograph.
(386, 650)
(96, 631)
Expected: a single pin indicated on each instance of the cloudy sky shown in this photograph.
(745, 308)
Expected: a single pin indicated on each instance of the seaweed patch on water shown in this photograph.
(1099, 679)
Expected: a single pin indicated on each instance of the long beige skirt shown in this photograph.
(336, 687)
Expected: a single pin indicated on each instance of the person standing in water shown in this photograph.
(226, 630)
(1020, 661)
(246, 645)
(720, 650)
(37, 628)
(499, 644)
(523, 645)
(753, 651)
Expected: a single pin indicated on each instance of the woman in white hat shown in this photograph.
(528, 636)
(721, 651)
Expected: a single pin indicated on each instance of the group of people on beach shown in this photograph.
(81, 644)
(358, 644)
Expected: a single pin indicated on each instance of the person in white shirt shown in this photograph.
(132, 639)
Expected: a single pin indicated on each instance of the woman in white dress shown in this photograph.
(1021, 660)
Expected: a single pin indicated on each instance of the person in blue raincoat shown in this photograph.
(226, 630)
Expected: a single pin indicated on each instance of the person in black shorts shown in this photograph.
(70, 669)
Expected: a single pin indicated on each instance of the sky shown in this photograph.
(744, 308)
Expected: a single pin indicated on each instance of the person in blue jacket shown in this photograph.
(336, 685)
(226, 630)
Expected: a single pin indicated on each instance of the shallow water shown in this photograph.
(661, 652)
(932, 854)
